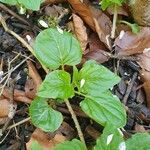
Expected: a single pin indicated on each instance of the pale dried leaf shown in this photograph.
(132, 43)
(43, 139)
(80, 31)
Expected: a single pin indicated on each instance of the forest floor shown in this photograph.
(19, 71)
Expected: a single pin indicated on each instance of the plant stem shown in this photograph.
(75, 121)
(114, 21)
(87, 96)
(2, 21)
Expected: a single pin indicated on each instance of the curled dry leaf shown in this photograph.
(43, 139)
(80, 31)
(32, 85)
(89, 13)
(46, 2)
(139, 128)
(18, 95)
(98, 55)
(3, 120)
(4, 108)
(131, 43)
(144, 62)
(34, 74)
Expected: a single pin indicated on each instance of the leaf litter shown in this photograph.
(92, 28)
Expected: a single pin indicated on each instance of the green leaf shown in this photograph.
(97, 78)
(10, 2)
(106, 3)
(31, 4)
(75, 76)
(35, 146)
(139, 141)
(56, 85)
(110, 139)
(135, 28)
(71, 145)
(54, 49)
(43, 116)
(105, 108)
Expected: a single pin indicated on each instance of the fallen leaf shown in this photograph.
(18, 95)
(34, 74)
(30, 89)
(144, 62)
(98, 55)
(131, 43)
(139, 128)
(3, 120)
(80, 31)
(145, 76)
(83, 11)
(46, 2)
(43, 139)
(4, 108)
(89, 14)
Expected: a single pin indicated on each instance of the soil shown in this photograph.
(128, 70)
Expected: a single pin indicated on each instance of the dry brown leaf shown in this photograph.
(30, 89)
(88, 14)
(146, 79)
(43, 139)
(18, 95)
(3, 120)
(139, 128)
(80, 31)
(34, 74)
(131, 43)
(144, 62)
(83, 11)
(46, 2)
(4, 108)
(98, 55)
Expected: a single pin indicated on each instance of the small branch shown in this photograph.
(75, 121)
(18, 123)
(114, 21)
(2, 21)
(129, 88)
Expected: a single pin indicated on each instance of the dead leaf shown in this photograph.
(30, 89)
(46, 2)
(34, 74)
(3, 120)
(80, 31)
(18, 95)
(98, 55)
(83, 11)
(139, 128)
(4, 108)
(43, 139)
(144, 62)
(145, 75)
(130, 43)
(89, 14)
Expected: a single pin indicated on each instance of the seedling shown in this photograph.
(56, 50)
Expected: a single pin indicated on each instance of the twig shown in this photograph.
(114, 21)
(2, 20)
(2, 6)
(75, 121)
(129, 88)
(18, 123)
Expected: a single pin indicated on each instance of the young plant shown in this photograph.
(115, 3)
(55, 49)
